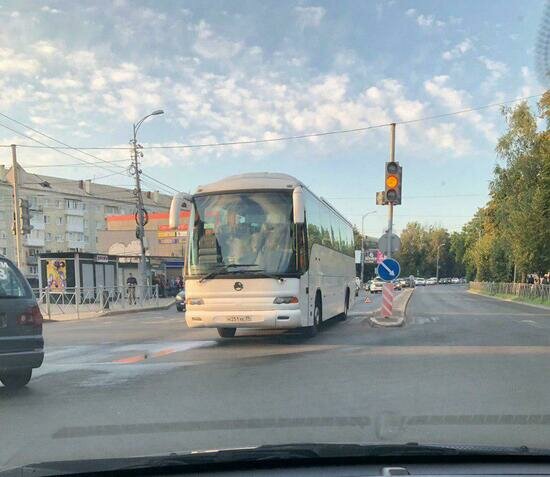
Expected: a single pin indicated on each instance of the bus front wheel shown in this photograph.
(311, 331)
(227, 332)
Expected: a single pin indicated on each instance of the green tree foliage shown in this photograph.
(513, 229)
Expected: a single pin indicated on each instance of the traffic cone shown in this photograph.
(368, 300)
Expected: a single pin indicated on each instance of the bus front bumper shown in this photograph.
(278, 319)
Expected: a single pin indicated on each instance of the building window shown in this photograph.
(73, 204)
(59, 204)
(46, 219)
(99, 225)
(49, 237)
(3, 235)
(86, 223)
(111, 209)
(33, 269)
(60, 221)
(3, 250)
(59, 238)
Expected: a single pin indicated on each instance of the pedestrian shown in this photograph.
(131, 281)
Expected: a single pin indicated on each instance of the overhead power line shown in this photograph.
(59, 149)
(314, 134)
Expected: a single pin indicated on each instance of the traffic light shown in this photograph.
(24, 217)
(393, 183)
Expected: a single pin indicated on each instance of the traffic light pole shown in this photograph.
(390, 210)
(18, 252)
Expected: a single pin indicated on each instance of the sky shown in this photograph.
(83, 72)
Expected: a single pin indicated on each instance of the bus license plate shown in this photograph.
(239, 319)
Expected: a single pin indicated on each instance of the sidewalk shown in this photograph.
(114, 309)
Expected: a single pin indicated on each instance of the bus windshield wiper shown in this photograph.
(225, 269)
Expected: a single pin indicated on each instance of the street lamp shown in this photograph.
(437, 262)
(363, 243)
(140, 216)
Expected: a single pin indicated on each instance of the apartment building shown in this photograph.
(66, 215)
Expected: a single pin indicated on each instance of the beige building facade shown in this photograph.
(66, 215)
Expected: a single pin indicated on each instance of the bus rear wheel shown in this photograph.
(227, 332)
(344, 316)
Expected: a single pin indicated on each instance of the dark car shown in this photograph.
(180, 301)
(21, 341)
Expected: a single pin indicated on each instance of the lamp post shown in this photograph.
(140, 214)
(437, 262)
(363, 244)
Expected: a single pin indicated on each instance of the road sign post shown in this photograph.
(394, 244)
(387, 300)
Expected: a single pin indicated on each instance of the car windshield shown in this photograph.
(228, 224)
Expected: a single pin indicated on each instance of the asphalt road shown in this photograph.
(464, 369)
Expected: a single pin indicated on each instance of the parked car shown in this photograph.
(180, 301)
(419, 281)
(376, 285)
(21, 340)
(431, 281)
(455, 280)
(397, 285)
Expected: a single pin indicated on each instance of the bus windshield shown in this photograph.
(251, 229)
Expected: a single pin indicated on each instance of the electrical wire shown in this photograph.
(314, 134)
(59, 149)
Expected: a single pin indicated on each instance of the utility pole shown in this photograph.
(140, 215)
(18, 243)
(390, 210)
(363, 244)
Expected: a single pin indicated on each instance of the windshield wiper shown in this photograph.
(284, 454)
(224, 269)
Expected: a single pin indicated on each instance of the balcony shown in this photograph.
(76, 211)
(35, 240)
(74, 226)
(37, 222)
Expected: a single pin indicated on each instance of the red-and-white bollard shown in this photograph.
(387, 300)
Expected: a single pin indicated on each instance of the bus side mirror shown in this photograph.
(298, 205)
(178, 201)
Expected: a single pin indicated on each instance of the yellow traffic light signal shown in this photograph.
(393, 183)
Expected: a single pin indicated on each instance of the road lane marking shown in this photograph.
(158, 353)
(450, 350)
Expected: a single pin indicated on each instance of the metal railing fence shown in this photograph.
(78, 300)
(522, 290)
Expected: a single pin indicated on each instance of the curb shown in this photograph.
(136, 310)
(400, 315)
(508, 300)
(113, 313)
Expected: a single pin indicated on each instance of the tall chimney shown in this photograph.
(3, 173)
(88, 186)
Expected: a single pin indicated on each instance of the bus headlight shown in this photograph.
(195, 301)
(285, 300)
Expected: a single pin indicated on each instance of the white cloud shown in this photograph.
(497, 69)
(45, 48)
(424, 21)
(51, 10)
(212, 46)
(309, 16)
(15, 14)
(15, 63)
(61, 83)
(448, 138)
(458, 50)
(126, 72)
(456, 100)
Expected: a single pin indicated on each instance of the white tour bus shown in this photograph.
(265, 252)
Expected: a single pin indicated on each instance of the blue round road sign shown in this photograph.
(388, 269)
